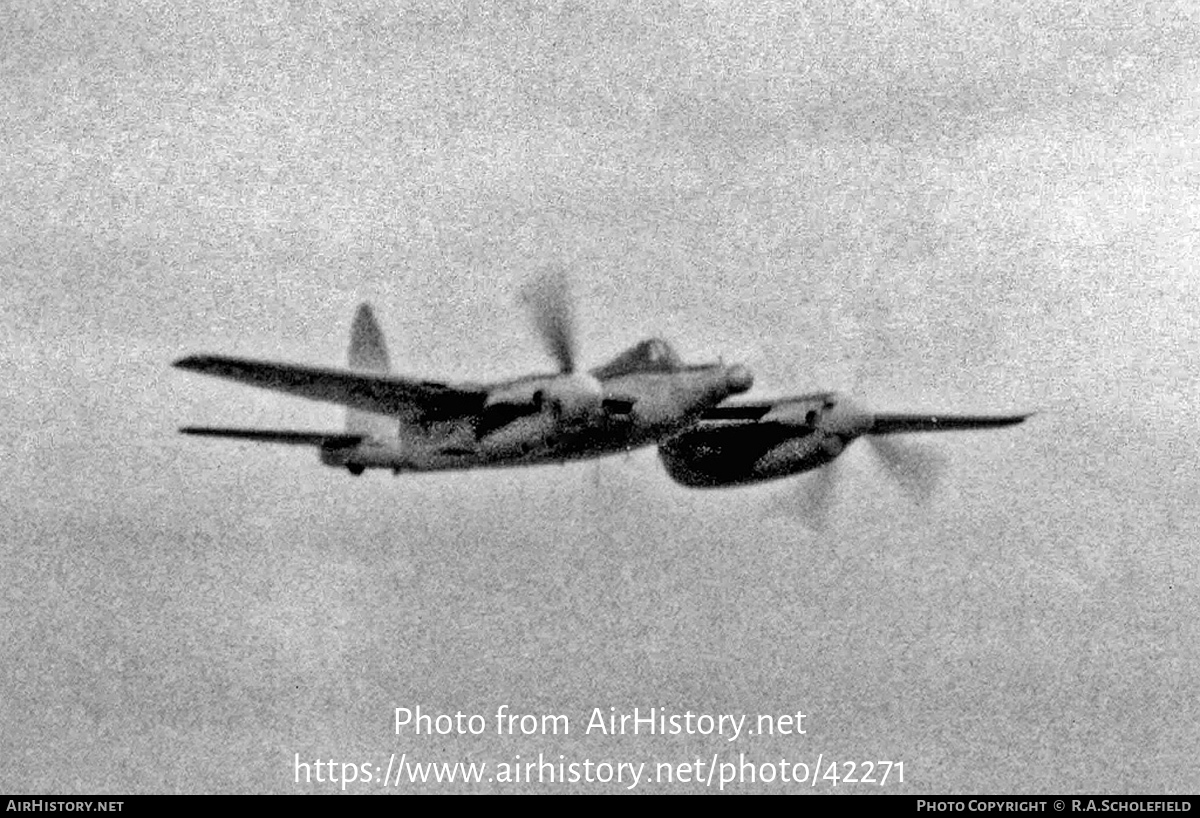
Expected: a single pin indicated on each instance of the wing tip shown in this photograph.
(202, 363)
(898, 423)
(285, 436)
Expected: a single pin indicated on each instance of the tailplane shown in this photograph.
(368, 354)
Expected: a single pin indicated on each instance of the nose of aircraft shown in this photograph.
(739, 378)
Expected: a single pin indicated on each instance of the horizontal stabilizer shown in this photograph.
(327, 440)
(384, 394)
(887, 424)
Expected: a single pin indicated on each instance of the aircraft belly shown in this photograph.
(726, 455)
(459, 453)
(535, 439)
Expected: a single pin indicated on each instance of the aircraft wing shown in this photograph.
(757, 410)
(884, 423)
(383, 394)
(329, 440)
(887, 424)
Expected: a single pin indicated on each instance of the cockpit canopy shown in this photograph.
(652, 355)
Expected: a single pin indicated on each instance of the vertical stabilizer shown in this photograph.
(368, 353)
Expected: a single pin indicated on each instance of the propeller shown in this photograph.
(548, 299)
(839, 422)
(571, 397)
(916, 469)
(815, 496)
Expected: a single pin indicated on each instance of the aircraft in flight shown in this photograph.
(640, 398)
(747, 442)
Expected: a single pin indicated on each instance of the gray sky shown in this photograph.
(951, 207)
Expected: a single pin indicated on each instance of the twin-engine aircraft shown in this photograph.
(645, 396)
(642, 397)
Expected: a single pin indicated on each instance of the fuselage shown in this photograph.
(659, 404)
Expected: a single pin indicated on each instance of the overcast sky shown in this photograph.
(951, 206)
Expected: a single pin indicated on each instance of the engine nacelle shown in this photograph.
(571, 399)
(791, 439)
(828, 413)
(531, 414)
(712, 458)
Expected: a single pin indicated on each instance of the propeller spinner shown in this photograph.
(573, 395)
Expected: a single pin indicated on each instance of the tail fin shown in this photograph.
(368, 353)
(368, 350)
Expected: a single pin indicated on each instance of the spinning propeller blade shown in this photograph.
(916, 469)
(548, 299)
(816, 495)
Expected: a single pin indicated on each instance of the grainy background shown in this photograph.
(931, 205)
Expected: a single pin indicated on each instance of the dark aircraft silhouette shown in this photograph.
(743, 443)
